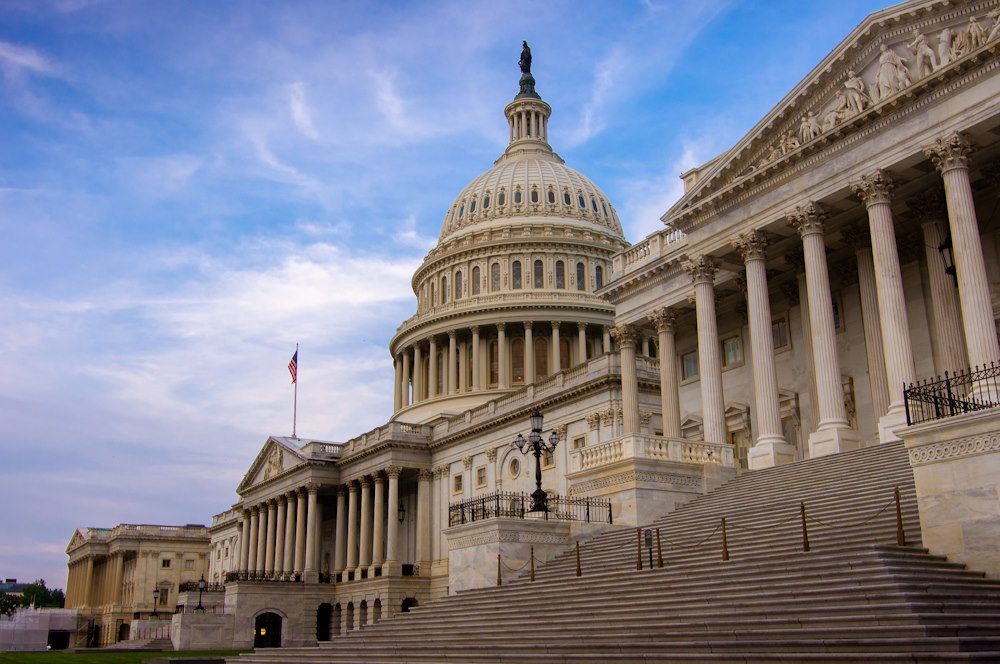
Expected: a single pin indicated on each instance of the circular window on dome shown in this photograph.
(514, 467)
(472, 206)
(552, 197)
(566, 199)
(583, 204)
(502, 199)
(517, 197)
(486, 202)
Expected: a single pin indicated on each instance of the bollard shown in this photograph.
(805, 531)
(532, 562)
(578, 570)
(638, 546)
(900, 534)
(498, 569)
(659, 550)
(725, 543)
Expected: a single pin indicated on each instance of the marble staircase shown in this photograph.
(855, 596)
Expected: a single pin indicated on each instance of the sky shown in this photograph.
(188, 189)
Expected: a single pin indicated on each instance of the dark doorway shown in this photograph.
(58, 640)
(323, 615)
(408, 603)
(267, 631)
(123, 631)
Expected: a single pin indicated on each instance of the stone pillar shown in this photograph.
(664, 320)
(606, 340)
(834, 433)
(272, 509)
(391, 536)
(365, 547)
(300, 531)
(950, 156)
(452, 362)
(116, 580)
(702, 270)
(397, 394)
(245, 542)
(352, 527)
(463, 366)
(529, 353)
(432, 368)
(340, 552)
(770, 448)
(626, 337)
(424, 522)
(870, 317)
(279, 536)
(581, 342)
(555, 364)
(378, 536)
(475, 358)
(949, 336)
(436, 526)
(254, 537)
(502, 355)
(309, 572)
(288, 566)
(875, 190)
(418, 373)
(88, 580)
(405, 387)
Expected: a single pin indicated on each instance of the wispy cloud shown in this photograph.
(15, 57)
(300, 111)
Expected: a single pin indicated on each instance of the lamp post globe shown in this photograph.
(201, 589)
(536, 445)
(156, 597)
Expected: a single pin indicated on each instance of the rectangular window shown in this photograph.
(779, 333)
(164, 594)
(189, 564)
(838, 323)
(579, 443)
(481, 476)
(732, 351)
(689, 365)
(548, 459)
(456, 484)
(165, 563)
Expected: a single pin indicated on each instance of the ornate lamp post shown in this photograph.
(539, 499)
(156, 597)
(201, 589)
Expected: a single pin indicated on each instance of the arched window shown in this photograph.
(501, 199)
(475, 281)
(560, 274)
(598, 277)
(444, 290)
(458, 285)
(515, 274)
(566, 199)
(534, 195)
(494, 363)
(552, 197)
(579, 199)
(517, 361)
(541, 358)
(564, 361)
(539, 275)
(517, 197)
(581, 277)
(495, 277)
(472, 206)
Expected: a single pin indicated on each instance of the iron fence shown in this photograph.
(513, 505)
(966, 391)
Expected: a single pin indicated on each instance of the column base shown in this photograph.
(833, 440)
(891, 422)
(310, 576)
(770, 453)
(392, 568)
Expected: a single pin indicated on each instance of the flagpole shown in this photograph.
(295, 402)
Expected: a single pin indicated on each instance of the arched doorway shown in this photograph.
(267, 631)
(408, 603)
(323, 615)
(123, 631)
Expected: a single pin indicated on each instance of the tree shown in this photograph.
(9, 602)
(37, 595)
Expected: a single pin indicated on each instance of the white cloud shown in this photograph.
(300, 111)
(606, 75)
(407, 235)
(14, 57)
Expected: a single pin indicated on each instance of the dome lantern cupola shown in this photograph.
(528, 115)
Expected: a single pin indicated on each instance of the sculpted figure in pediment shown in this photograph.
(789, 143)
(809, 128)
(944, 47)
(995, 30)
(857, 98)
(960, 44)
(977, 36)
(892, 73)
(925, 60)
(837, 113)
(275, 464)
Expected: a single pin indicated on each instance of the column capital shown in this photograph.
(581, 326)
(438, 471)
(555, 324)
(664, 319)
(626, 336)
(501, 327)
(874, 188)
(474, 329)
(341, 490)
(291, 493)
(701, 269)
(272, 501)
(377, 478)
(255, 509)
(365, 482)
(312, 487)
(467, 462)
(528, 324)
(751, 245)
(425, 475)
(949, 153)
(393, 471)
(807, 219)
(491, 454)
(452, 335)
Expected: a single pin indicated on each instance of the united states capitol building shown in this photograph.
(844, 249)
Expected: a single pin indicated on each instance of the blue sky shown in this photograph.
(188, 189)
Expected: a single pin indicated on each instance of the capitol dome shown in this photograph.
(508, 296)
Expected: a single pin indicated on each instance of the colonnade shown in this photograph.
(887, 334)
(279, 535)
(463, 360)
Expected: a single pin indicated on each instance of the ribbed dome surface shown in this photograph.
(530, 185)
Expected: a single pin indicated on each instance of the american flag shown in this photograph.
(293, 366)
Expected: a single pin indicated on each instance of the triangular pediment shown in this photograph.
(275, 458)
(78, 539)
(893, 58)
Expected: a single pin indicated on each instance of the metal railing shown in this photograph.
(514, 505)
(966, 391)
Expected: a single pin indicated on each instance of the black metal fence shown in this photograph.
(512, 505)
(963, 392)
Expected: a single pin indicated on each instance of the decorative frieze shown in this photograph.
(953, 449)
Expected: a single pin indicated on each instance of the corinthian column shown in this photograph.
(702, 270)
(875, 190)
(397, 394)
(581, 342)
(834, 433)
(245, 542)
(418, 373)
(771, 448)
(352, 527)
(289, 555)
(279, 536)
(340, 550)
(272, 509)
(378, 521)
(365, 548)
(261, 539)
(432, 371)
(502, 355)
(664, 320)
(529, 354)
(424, 521)
(452, 362)
(555, 365)
(404, 388)
(312, 533)
(391, 537)
(626, 337)
(950, 156)
(300, 531)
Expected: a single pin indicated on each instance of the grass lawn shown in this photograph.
(105, 657)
